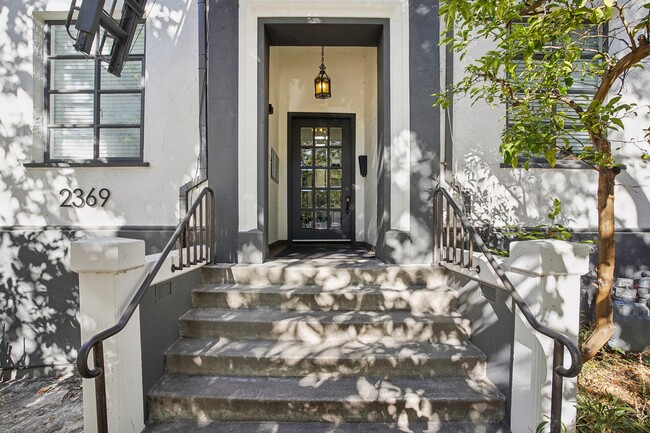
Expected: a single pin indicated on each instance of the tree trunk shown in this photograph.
(605, 271)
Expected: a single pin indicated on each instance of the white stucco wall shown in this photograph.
(507, 196)
(353, 71)
(139, 196)
(39, 315)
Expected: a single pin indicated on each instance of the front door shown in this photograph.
(320, 193)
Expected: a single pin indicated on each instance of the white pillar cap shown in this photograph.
(549, 257)
(106, 255)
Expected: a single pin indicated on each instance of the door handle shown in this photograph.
(347, 205)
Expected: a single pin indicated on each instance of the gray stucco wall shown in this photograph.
(160, 309)
(39, 295)
(424, 77)
(223, 62)
(492, 329)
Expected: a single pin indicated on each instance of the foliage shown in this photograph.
(614, 392)
(542, 50)
(607, 415)
(536, 62)
(550, 230)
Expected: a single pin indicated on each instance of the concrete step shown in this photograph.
(313, 399)
(317, 326)
(326, 273)
(306, 298)
(314, 427)
(337, 359)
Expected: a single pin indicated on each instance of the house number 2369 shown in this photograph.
(78, 197)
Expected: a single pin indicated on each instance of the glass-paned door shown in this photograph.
(320, 204)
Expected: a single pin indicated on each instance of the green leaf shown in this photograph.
(568, 81)
(618, 122)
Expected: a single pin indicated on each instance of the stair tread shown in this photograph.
(335, 349)
(314, 289)
(347, 297)
(340, 317)
(316, 389)
(321, 427)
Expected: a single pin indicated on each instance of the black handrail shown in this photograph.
(471, 236)
(181, 234)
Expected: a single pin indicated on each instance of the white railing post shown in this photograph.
(546, 274)
(110, 269)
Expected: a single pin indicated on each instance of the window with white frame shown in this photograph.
(91, 115)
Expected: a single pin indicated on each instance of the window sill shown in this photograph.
(115, 164)
(572, 164)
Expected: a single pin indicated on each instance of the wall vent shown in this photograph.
(163, 289)
(489, 293)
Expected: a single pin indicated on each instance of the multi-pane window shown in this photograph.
(321, 195)
(582, 89)
(92, 115)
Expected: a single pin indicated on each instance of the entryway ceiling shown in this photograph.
(317, 34)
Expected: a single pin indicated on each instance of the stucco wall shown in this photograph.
(38, 293)
(353, 71)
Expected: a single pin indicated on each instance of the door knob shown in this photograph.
(347, 205)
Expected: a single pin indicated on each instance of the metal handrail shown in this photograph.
(204, 253)
(469, 235)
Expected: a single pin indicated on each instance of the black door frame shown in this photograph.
(352, 118)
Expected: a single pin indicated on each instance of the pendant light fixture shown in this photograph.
(322, 83)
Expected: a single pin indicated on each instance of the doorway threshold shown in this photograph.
(323, 251)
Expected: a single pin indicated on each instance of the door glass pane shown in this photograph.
(336, 136)
(335, 199)
(306, 178)
(335, 155)
(321, 157)
(306, 137)
(307, 219)
(305, 198)
(321, 178)
(321, 199)
(306, 159)
(336, 220)
(321, 220)
(335, 177)
(320, 136)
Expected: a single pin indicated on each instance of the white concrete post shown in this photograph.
(546, 274)
(110, 270)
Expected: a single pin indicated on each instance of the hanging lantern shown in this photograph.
(322, 83)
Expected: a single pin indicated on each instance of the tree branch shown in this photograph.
(568, 101)
(528, 10)
(626, 25)
(622, 65)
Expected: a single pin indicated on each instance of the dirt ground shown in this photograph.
(44, 404)
(623, 376)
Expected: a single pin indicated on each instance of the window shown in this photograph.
(584, 84)
(91, 115)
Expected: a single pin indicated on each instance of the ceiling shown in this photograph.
(317, 34)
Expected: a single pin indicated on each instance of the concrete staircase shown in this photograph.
(311, 347)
